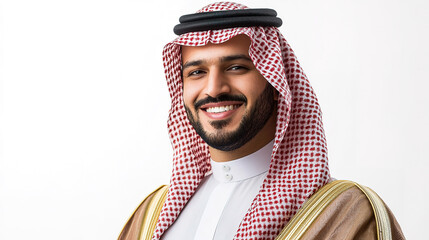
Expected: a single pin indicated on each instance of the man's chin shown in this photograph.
(219, 125)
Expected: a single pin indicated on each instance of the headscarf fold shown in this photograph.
(299, 162)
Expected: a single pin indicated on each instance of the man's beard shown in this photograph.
(252, 122)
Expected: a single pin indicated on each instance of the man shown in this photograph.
(248, 140)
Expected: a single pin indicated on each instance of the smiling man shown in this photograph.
(250, 157)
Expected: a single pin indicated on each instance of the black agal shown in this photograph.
(261, 17)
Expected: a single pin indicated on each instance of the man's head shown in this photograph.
(227, 100)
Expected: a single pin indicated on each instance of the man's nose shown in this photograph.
(217, 84)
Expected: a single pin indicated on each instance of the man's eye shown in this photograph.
(236, 68)
(195, 73)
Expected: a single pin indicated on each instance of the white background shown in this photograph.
(84, 105)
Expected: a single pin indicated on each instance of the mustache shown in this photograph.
(220, 98)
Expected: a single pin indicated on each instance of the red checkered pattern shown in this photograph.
(299, 163)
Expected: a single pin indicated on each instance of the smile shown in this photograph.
(221, 108)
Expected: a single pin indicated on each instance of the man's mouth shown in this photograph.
(221, 108)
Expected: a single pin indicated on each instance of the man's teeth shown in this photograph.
(220, 109)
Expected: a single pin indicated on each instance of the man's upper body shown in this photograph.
(247, 133)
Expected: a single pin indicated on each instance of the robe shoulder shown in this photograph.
(349, 216)
(138, 224)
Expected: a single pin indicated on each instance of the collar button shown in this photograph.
(228, 177)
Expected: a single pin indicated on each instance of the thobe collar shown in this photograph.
(243, 168)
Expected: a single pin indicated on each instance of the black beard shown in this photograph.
(251, 123)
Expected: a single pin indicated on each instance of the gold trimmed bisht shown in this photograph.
(299, 224)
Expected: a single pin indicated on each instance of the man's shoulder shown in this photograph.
(141, 221)
(343, 210)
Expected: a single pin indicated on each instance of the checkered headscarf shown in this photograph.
(299, 163)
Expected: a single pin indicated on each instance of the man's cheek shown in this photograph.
(187, 99)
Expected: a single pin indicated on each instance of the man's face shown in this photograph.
(227, 100)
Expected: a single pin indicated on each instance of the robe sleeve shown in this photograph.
(349, 216)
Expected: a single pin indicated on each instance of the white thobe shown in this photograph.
(222, 199)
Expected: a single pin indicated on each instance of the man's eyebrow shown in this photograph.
(222, 59)
(191, 63)
(235, 57)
